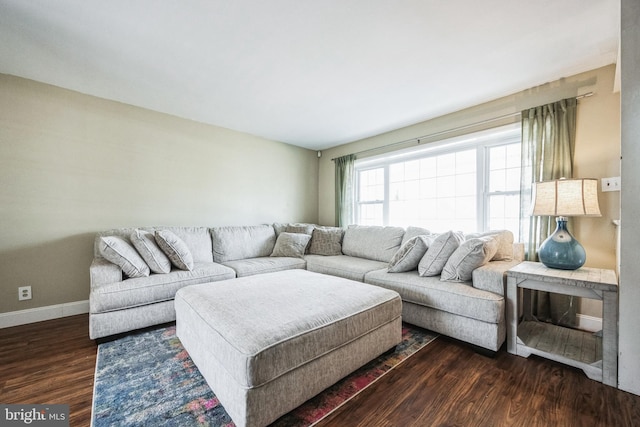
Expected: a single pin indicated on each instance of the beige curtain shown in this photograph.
(345, 177)
(548, 141)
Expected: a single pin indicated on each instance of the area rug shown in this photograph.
(149, 379)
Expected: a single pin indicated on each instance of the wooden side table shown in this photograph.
(596, 356)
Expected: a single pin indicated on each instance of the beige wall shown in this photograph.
(597, 152)
(71, 165)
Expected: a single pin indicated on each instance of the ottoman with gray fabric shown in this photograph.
(267, 343)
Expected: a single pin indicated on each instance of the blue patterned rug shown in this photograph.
(148, 379)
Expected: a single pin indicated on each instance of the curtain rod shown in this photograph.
(444, 132)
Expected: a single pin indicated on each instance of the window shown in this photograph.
(469, 184)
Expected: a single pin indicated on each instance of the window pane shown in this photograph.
(504, 213)
(396, 172)
(466, 161)
(371, 185)
(428, 167)
(370, 214)
(513, 179)
(446, 164)
(497, 180)
(497, 158)
(503, 210)
(412, 170)
(466, 184)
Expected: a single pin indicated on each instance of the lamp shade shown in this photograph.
(566, 197)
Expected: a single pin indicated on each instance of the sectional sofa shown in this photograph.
(449, 283)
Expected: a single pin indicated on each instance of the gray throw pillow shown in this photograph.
(412, 232)
(326, 241)
(439, 252)
(409, 255)
(118, 251)
(175, 248)
(470, 255)
(291, 245)
(145, 244)
(299, 228)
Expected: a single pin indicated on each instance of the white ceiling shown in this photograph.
(313, 73)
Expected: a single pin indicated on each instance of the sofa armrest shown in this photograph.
(492, 276)
(103, 271)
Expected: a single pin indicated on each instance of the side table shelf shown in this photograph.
(594, 353)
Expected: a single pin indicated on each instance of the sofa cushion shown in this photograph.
(145, 244)
(291, 245)
(470, 255)
(343, 266)
(440, 249)
(251, 266)
(155, 288)
(121, 253)
(505, 243)
(175, 249)
(326, 241)
(372, 242)
(409, 255)
(456, 298)
(234, 243)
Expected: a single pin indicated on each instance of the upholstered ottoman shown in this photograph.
(267, 343)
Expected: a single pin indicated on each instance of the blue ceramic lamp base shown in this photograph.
(561, 250)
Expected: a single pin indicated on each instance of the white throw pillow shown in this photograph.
(470, 255)
(439, 252)
(505, 243)
(175, 248)
(145, 244)
(409, 255)
(118, 251)
(291, 245)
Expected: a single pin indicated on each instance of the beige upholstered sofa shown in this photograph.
(468, 304)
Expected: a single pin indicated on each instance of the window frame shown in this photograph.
(481, 141)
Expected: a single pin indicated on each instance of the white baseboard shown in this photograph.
(39, 314)
(589, 323)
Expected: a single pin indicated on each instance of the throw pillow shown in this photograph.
(291, 245)
(118, 251)
(299, 228)
(439, 252)
(470, 255)
(326, 241)
(175, 249)
(412, 232)
(409, 255)
(505, 243)
(145, 244)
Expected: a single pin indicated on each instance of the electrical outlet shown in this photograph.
(24, 293)
(611, 184)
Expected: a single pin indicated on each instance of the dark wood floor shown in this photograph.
(445, 384)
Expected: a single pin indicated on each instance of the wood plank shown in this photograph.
(446, 383)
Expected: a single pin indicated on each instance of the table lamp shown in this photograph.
(564, 198)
